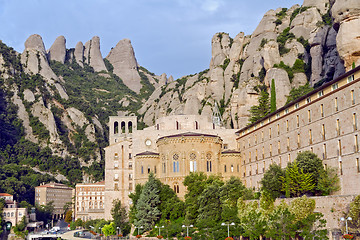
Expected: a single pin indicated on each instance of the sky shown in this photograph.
(168, 36)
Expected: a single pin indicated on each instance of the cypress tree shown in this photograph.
(259, 111)
(273, 97)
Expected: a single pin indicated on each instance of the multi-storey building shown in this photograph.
(172, 148)
(12, 214)
(57, 193)
(89, 198)
(325, 121)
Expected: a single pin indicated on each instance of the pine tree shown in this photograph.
(296, 180)
(273, 97)
(259, 111)
(119, 216)
(147, 207)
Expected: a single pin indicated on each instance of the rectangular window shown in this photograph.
(289, 158)
(322, 110)
(279, 150)
(279, 161)
(263, 170)
(224, 168)
(312, 149)
(256, 154)
(238, 168)
(287, 125)
(310, 137)
(278, 129)
(356, 143)
(288, 144)
(269, 132)
(130, 165)
(270, 150)
(320, 93)
(350, 78)
(263, 152)
(339, 148)
(262, 136)
(357, 165)
(324, 151)
(297, 105)
(340, 166)
(352, 97)
(249, 156)
(298, 140)
(338, 127)
(323, 131)
(277, 115)
(309, 115)
(116, 164)
(130, 156)
(257, 168)
(308, 100)
(286, 111)
(297, 121)
(255, 139)
(336, 105)
(354, 122)
(334, 86)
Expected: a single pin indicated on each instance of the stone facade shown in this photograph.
(11, 211)
(325, 121)
(90, 199)
(133, 154)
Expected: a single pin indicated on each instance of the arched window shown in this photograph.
(176, 164)
(176, 188)
(122, 127)
(232, 168)
(116, 127)
(149, 169)
(130, 127)
(208, 162)
(224, 168)
(192, 162)
(142, 169)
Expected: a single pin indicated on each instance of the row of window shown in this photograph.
(307, 101)
(123, 127)
(354, 125)
(356, 147)
(12, 214)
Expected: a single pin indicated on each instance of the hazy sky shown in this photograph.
(168, 36)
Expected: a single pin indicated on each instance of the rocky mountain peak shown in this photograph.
(122, 57)
(93, 55)
(35, 42)
(57, 51)
(79, 53)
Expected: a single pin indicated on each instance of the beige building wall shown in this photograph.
(126, 143)
(325, 121)
(60, 194)
(90, 201)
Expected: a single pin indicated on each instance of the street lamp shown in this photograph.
(346, 225)
(228, 225)
(118, 230)
(159, 228)
(138, 229)
(187, 229)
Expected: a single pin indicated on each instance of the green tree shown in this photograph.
(109, 229)
(354, 213)
(195, 183)
(2, 205)
(296, 180)
(68, 216)
(147, 207)
(252, 222)
(262, 109)
(118, 213)
(280, 223)
(134, 196)
(273, 96)
(271, 182)
(328, 182)
(295, 93)
(302, 207)
(171, 206)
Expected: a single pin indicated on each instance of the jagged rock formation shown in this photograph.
(122, 57)
(347, 16)
(92, 54)
(57, 52)
(311, 43)
(79, 53)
